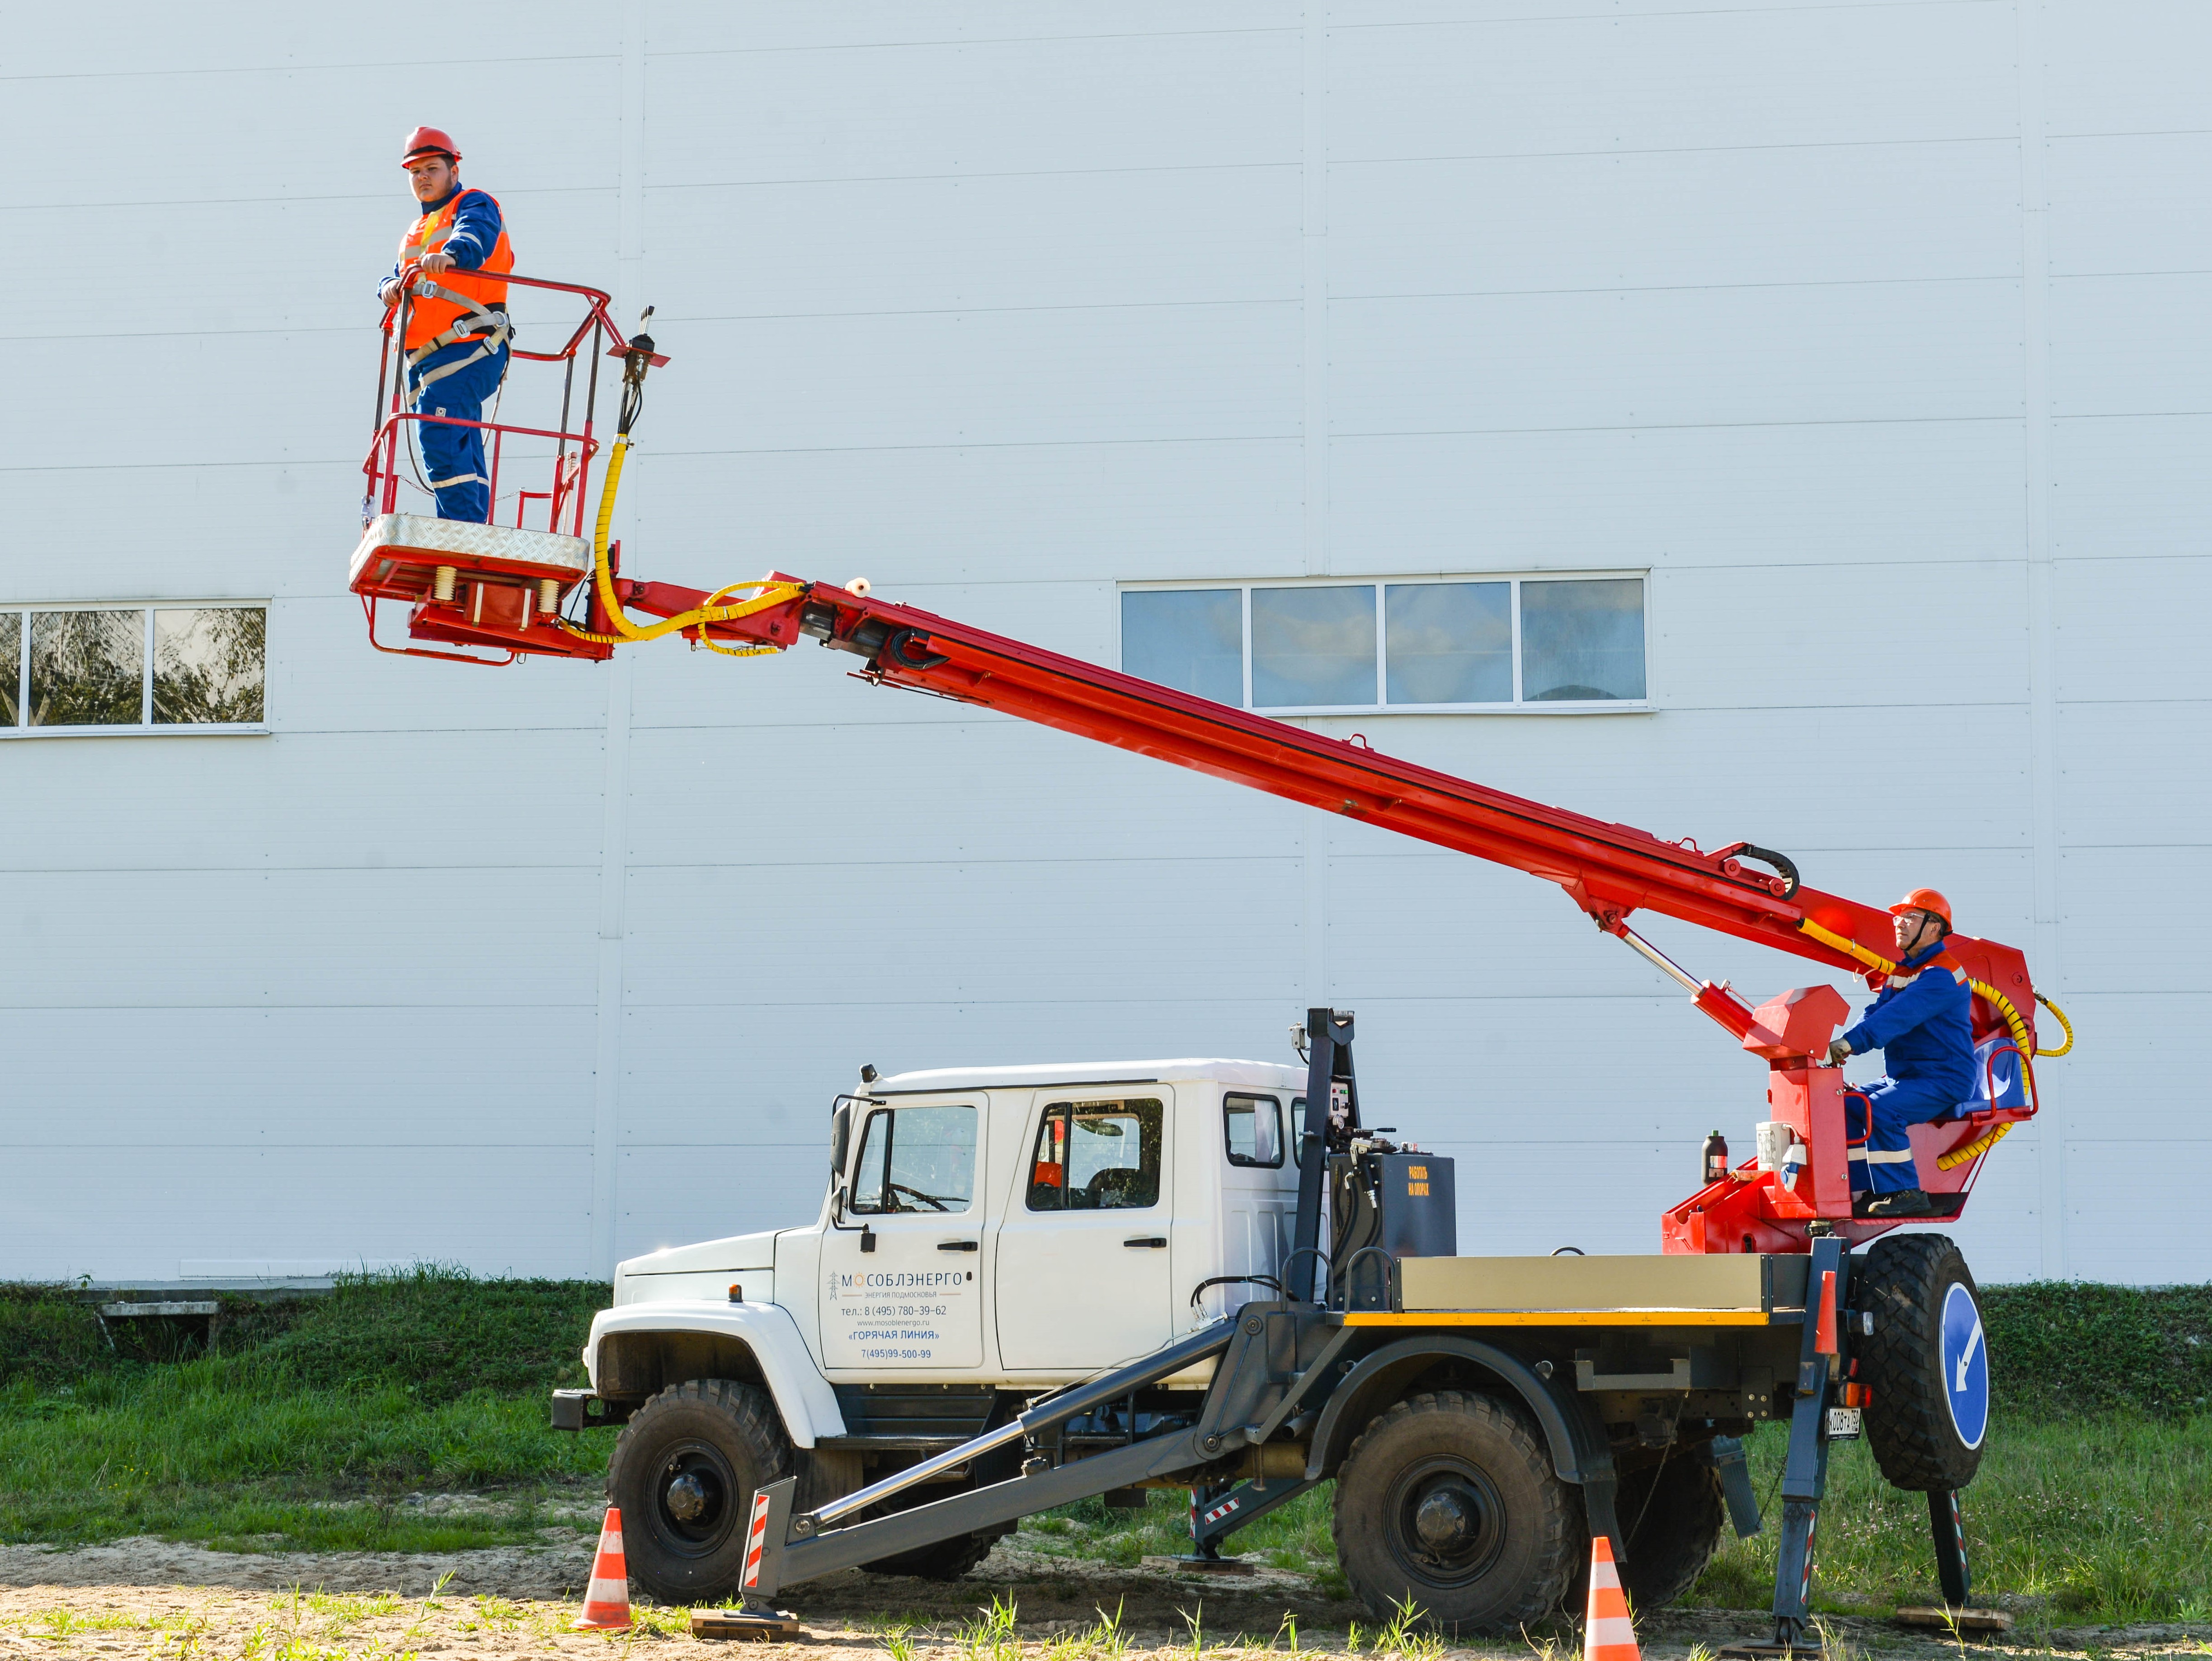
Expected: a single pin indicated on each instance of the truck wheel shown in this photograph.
(948, 1560)
(1673, 1513)
(1449, 1500)
(684, 1473)
(1926, 1363)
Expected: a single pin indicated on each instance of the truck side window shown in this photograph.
(1253, 1128)
(1098, 1156)
(916, 1159)
(1299, 1130)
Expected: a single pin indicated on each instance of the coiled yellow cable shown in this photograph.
(2063, 1022)
(1974, 1149)
(772, 594)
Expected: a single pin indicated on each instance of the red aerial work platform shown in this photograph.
(506, 595)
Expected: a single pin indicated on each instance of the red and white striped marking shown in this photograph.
(606, 1600)
(755, 1539)
(1607, 1632)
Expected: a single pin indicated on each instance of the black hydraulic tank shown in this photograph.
(1420, 1211)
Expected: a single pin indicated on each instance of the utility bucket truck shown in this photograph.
(1026, 1287)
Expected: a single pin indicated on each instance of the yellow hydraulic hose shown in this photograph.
(772, 594)
(2063, 1022)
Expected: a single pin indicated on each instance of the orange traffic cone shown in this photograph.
(606, 1600)
(1607, 1632)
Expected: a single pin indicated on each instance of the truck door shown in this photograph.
(902, 1279)
(1083, 1275)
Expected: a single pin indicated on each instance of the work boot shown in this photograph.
(1905, 1203)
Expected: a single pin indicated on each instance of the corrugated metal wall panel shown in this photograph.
(1002, 305)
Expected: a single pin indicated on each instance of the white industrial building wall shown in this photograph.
(1874, 332)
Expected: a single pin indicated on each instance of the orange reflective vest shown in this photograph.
(454, 305)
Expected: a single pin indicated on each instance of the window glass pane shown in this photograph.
(87, 668)
(1299, 1130)
(207, 664)
(1581, 641)
(1096, 1156)
(917, 1159)
(1192, 639)
(1313, 645)
(11, 665)
(1448, 643)
(1255, 1125)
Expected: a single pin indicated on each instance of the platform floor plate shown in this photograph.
(565, 557)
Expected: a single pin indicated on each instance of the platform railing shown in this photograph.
(575, 447)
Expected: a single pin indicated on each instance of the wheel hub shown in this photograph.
(687, 1498)
(1447, 1518)
(1447, 1522)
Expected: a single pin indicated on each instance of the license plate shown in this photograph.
(1843, 1424)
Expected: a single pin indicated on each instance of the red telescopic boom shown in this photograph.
(505, 588)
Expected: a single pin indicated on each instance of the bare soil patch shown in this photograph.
(144, 1597)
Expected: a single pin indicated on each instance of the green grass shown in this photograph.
(2060, 1348)
(306, 1424)
(2106, 1519)
(302, 1425)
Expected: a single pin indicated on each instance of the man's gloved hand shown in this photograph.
(1837, 1052)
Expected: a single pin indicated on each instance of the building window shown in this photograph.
(143, 669)
(1451, 643)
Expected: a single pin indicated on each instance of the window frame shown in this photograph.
(1238, 1159)
(1381, 584)
(853, 1207)
(146, 726)
(1070, 1106)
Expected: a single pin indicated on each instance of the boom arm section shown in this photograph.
(1609, 871)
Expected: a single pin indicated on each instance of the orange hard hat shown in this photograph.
(428, 140)
(1923, 899)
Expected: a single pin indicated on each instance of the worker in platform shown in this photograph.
(1921, 1022)
(456, 344)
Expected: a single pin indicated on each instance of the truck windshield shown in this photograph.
(916, 1159)
(1096, 1156)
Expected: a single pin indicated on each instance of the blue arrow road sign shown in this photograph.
(1965, 1357)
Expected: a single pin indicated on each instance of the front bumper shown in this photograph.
(581, 1409)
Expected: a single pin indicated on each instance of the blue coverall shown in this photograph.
(454, 456)
(1923, 1024)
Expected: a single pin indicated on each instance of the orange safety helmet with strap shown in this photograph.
(1925, 899)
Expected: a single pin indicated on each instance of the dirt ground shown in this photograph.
(145, 1598)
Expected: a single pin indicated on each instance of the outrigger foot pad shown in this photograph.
(759, 1623)
(1807, 1652)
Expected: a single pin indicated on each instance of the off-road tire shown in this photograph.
(947, 1560)
(1515, 1524)
(1904, 1282)
(1673, 1513)
(727, 1438)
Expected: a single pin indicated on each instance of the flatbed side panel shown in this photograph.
(1556, 1287)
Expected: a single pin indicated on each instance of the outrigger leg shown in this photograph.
(1805, 1476)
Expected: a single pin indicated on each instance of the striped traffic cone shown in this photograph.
(606, 1600)
(1607, 1632)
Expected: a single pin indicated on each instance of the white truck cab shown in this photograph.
(1022, 1226)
